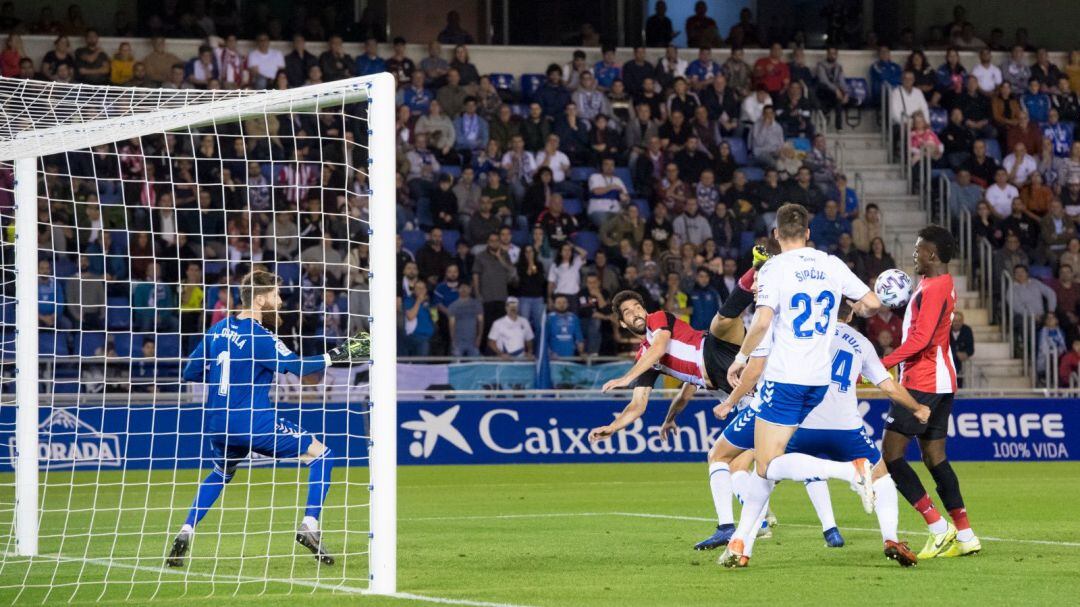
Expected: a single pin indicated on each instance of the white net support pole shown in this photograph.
(26, 358)
(383, 289)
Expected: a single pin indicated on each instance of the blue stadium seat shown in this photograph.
(520, 237)
(860, 91)
(118, 313)
(502, 82)
(519, 109)
(64, 267)
(214, 268)
(450, 239)
(581, 174)
(288, 271)
(627, 178)
(753, 173)
(590, 241)
(413, 240)
(53, 342)
(122, 341)
(643, 207)
(1043, 273)
(746, 241)
(90, 342)
(801, 144)
(529, 84)
(939, 119)
(66, 387)
(993, 149)
(267, 171)
(738, 150)
(572, 206)
(947, 173)
(168, 345)
(451, 170)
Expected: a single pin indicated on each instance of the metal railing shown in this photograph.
(1050, 378)
(967, 252)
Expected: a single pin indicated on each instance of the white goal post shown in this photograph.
(40, 119)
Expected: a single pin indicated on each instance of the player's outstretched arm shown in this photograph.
(195, 369)
(629, 415)
(644, 363)
(682, 398)
(868, 305)
(747, 381)
(899, 395)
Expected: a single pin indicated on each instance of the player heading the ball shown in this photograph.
(237, 359)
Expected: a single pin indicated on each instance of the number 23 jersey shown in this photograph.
(804, 288)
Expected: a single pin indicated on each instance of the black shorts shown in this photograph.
(719, 356)
(903, 421)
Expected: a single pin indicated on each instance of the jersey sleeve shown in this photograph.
(645, 380)
(660, 321)
(851, 286)
(872, 369)
(272, 353)
(768, 286)
(765, 347)
(195, 369)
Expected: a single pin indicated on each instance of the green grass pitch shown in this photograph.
(544, 535)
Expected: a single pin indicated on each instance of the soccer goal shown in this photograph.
(129, 218)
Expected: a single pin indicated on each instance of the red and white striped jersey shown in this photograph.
(684, 359)
(925, 362)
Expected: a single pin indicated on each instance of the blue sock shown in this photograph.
(319, 473)
(209, 491)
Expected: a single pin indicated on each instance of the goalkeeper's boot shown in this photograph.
(938, 542)
(901, 553)
(180, 548)
(312, 540)
(720, 538)
(733, 558)
(761, 255)
(960, 548)
(833, 539)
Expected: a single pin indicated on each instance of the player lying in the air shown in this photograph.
(833, 430)
(237, 359)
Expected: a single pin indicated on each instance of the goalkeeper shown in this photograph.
(237, 358)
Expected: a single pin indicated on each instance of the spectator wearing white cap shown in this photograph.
(511, 336)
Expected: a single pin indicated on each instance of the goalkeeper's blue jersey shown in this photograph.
(237, 358)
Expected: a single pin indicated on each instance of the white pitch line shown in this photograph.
(244, 578)
(676, 517)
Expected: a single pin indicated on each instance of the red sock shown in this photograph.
(959, 517)
(927, 510)
(746, 282)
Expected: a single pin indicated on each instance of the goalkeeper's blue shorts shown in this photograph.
(278, 438)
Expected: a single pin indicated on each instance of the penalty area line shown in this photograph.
(676, 517)
(356, 590)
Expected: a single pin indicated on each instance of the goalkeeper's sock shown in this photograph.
(319, 471)
(208, 493)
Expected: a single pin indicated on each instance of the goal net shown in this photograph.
(129, 218)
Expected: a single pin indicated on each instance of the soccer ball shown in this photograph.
(893, 288)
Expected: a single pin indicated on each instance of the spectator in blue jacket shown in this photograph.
(606, 70)
(884, 71)
(1036, 102)
(552, 95)
(1059, 135)
(370, 62)
(702, 71)
(826, 227)
(470, 129)
(564, 336)
(417, 96)
(50, 298)
(704, 300)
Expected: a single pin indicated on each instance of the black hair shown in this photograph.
(399, 40)
(607, 47)
(942, 240)
(554, 67)
(622, 297)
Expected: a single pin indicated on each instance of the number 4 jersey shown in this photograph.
(803, 287)
(852, 355)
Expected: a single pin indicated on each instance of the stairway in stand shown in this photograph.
(863, 154)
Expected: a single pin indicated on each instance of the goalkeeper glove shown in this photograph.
(355, 349)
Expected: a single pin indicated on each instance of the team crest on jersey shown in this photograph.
(282, 349)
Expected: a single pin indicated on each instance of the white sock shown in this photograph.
(738, 484)
(756, 501)
(965, 535)
(311, 523)
(938, 526)
(802, 467)
(720, 484)
(885, 505)
(187, 529)
(818, 491)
